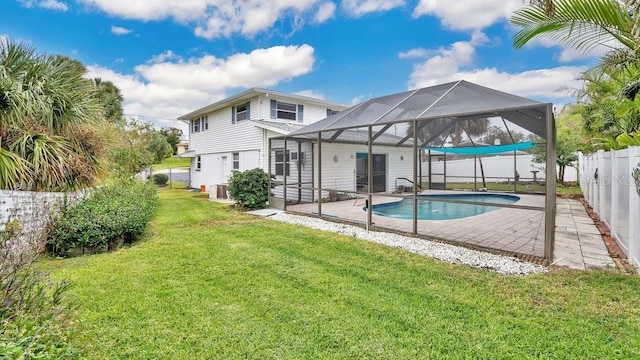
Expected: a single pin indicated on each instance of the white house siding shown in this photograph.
(216, 168)
(262, 107)
(341, 175)
(223, 136)
(304, 165)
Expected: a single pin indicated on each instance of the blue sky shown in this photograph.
(170, 57)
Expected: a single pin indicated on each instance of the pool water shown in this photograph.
(436, 210)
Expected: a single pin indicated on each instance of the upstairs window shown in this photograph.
(331, 112)
(286, 111)
(204, 123)
(240, 112)
(200, 124)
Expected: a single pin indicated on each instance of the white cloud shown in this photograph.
(53, 5)
(362, 7)
(218, 18)
(120, 30)
(119, 61)
(468, 15)
(325, 12)
(550, 83)
(358, 99)
(169, 89)
(46, 4)
(417, 53)
(167, 55)
(310, 93)
(451, 64)
(567, 54)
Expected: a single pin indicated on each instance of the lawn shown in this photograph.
(208, 283)
(172, 162)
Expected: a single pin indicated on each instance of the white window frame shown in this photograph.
(283, 163)
(283, 112)
(242, 115)
(198, 163)
(200, 124)
(331, 112)
(204, 123)
(235, 161)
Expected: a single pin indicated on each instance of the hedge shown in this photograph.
(112, 214)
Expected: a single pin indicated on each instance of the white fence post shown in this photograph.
(634, 210)
(600, 168)
(613, 222)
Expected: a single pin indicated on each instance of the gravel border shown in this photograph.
(446, 252)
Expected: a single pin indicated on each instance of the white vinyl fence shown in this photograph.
(607, 183)
(497, 168)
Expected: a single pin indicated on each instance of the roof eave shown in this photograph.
(253, 92)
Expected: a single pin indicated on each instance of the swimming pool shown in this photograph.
(436, 210)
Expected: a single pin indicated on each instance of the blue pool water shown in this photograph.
(436, 210)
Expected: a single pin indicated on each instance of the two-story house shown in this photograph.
(233, 134)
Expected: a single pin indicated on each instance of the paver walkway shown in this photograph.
(579, 244)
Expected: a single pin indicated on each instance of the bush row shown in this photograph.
(113, 214)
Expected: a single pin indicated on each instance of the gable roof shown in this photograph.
(253, 92)
(460, 100)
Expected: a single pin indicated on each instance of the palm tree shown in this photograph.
(583, 25)
(46, 109)
(111, 99)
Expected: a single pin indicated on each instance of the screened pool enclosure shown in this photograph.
(414, 163)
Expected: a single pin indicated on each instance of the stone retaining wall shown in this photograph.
(33, 210)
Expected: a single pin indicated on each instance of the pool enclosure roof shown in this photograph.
(450, 103)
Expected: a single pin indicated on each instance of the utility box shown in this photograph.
(221, 191)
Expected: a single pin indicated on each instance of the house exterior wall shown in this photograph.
(338, 175)
(341, 175)
(216, 168)
(300, 172)
(226, 135)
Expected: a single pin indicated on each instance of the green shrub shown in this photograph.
(111, 215)
(160, 179)
(250, 188)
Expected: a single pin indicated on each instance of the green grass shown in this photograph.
(208, 283)
(172, 162)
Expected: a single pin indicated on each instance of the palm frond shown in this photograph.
(581, 24)
(14, 170)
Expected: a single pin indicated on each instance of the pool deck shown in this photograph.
(510, 231)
